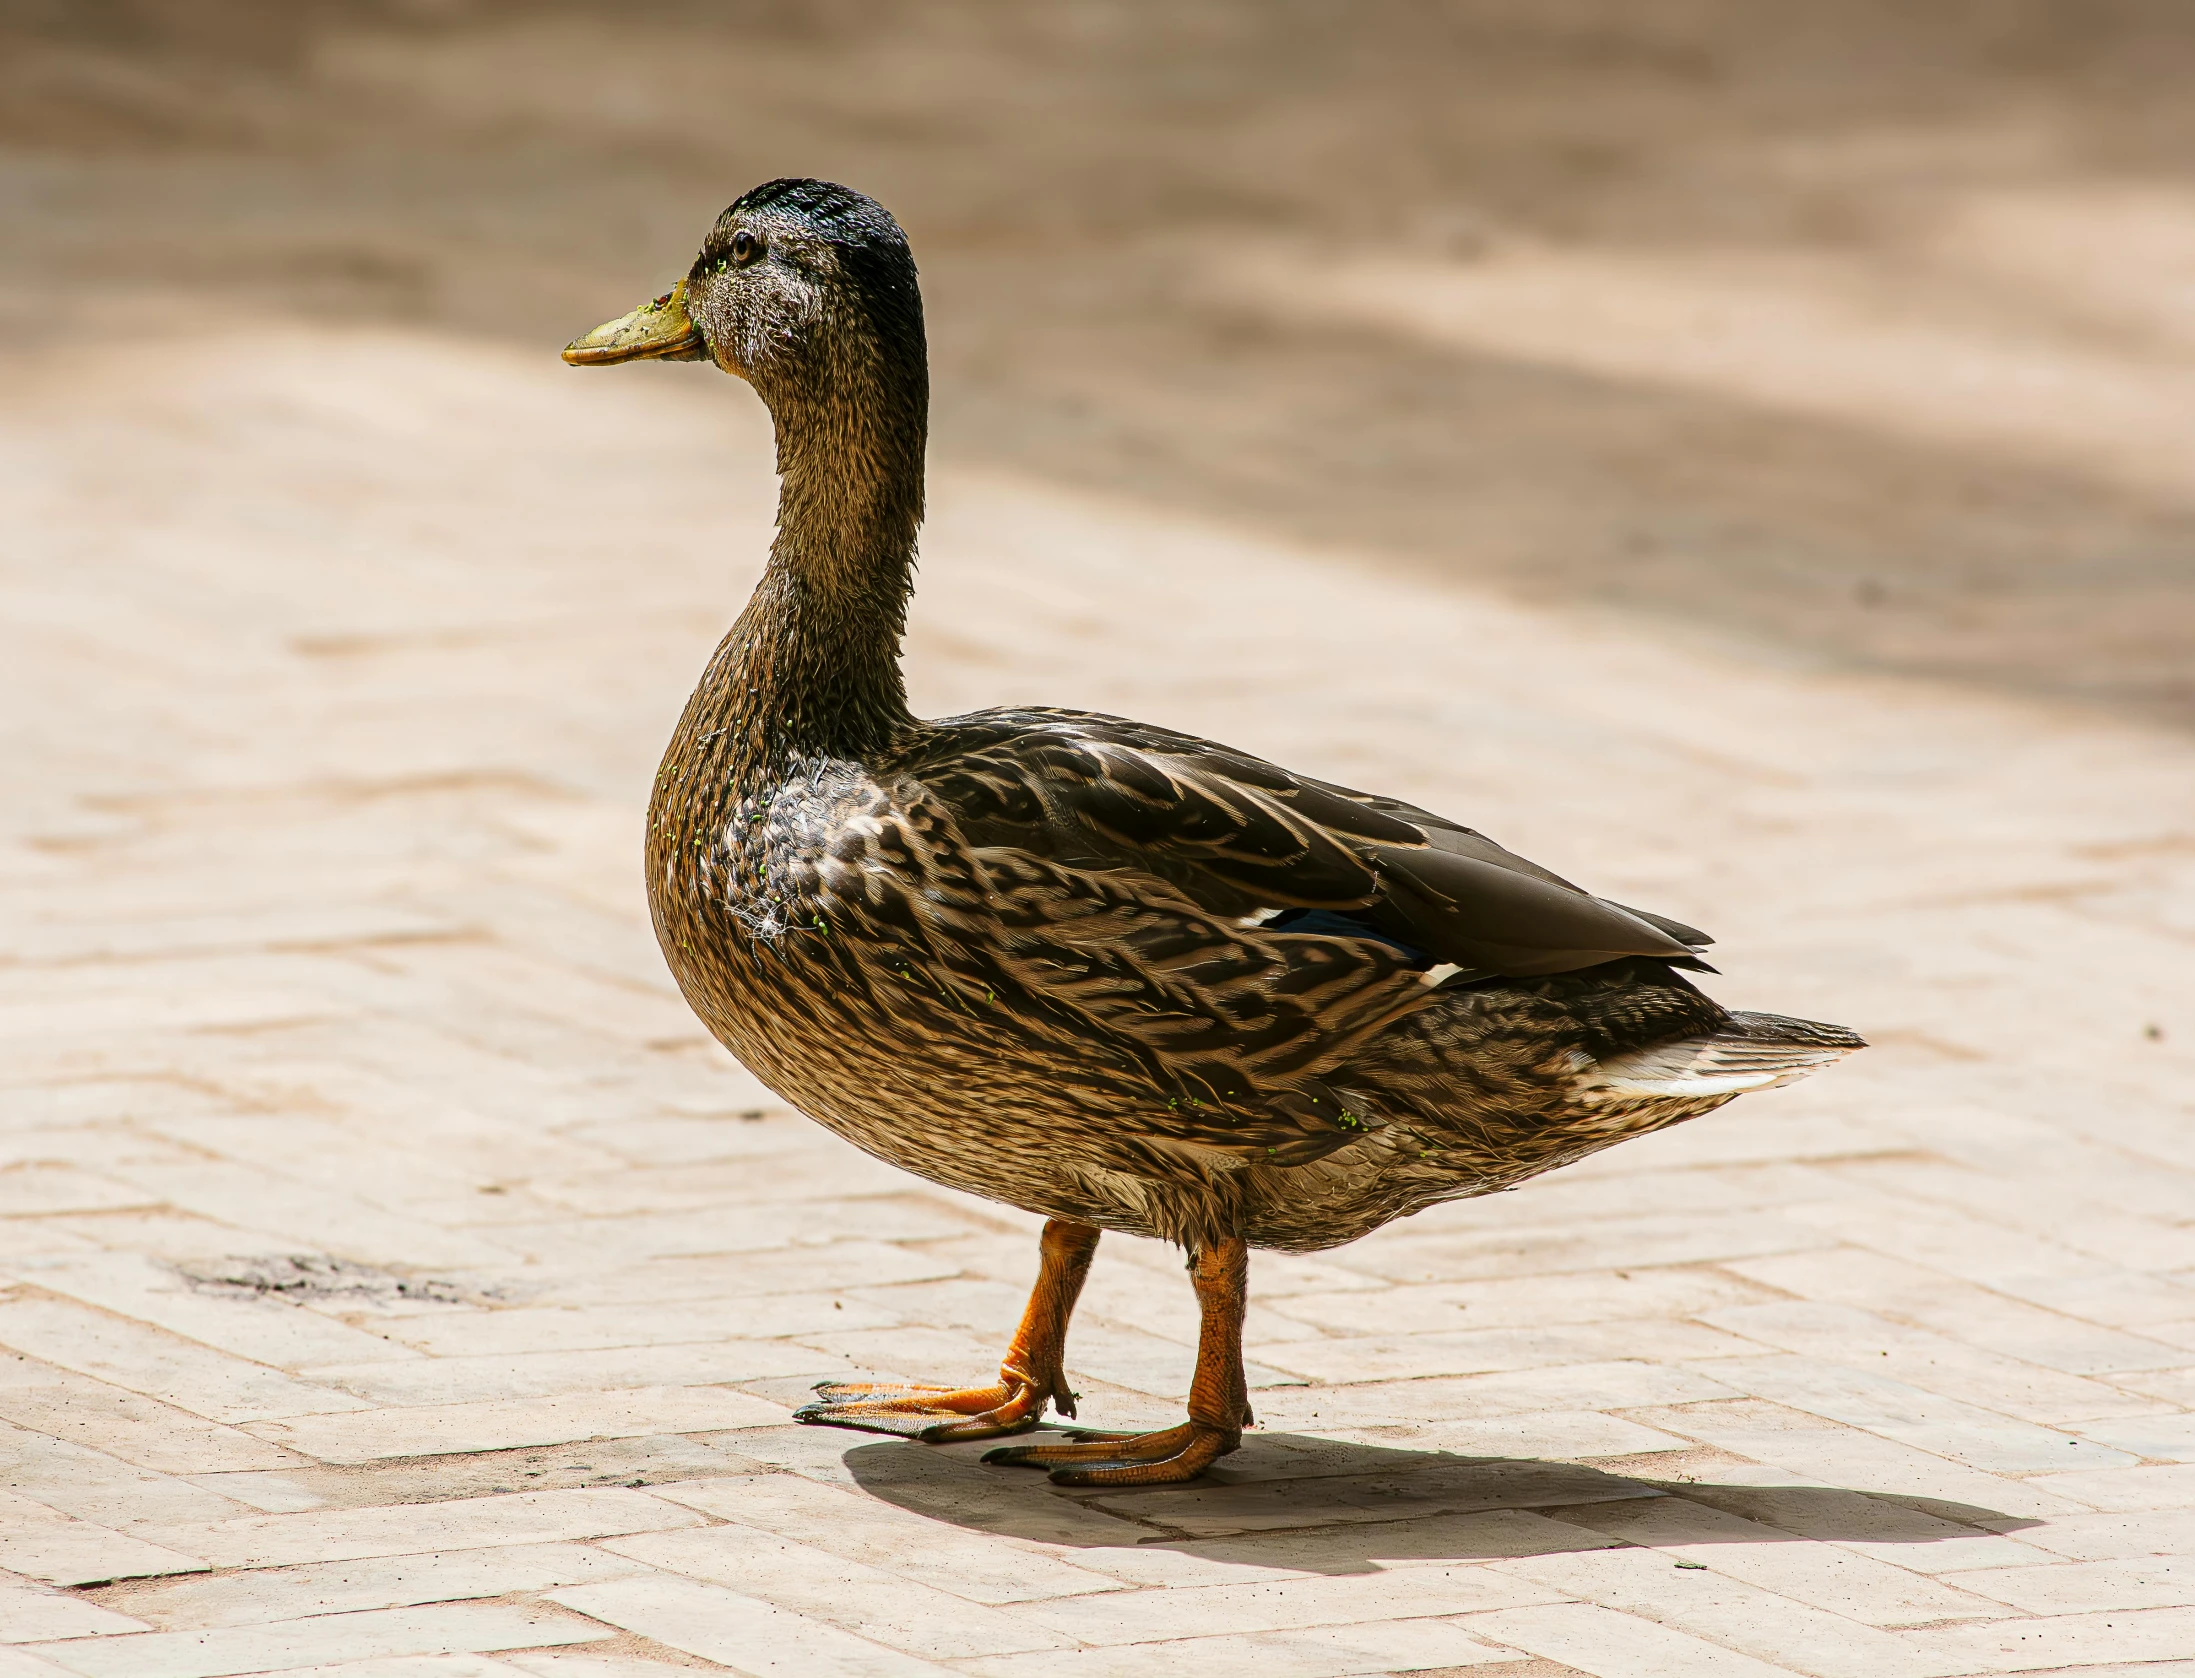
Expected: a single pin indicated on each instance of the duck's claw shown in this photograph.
(934, 1415)
(1165, 1458)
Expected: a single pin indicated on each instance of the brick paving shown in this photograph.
(398, 1284)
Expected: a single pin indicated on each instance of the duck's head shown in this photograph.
(804, 289)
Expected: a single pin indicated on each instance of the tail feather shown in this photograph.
(1753, 1052)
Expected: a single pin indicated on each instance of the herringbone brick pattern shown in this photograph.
(397, 1283)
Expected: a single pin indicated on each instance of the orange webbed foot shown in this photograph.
(934, 1415)
(1165, 1458)
(1031, 1376)
(1219, 1399)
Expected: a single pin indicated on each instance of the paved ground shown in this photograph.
(1855, 326)
(398, 1284)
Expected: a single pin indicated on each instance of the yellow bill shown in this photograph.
(657, 331)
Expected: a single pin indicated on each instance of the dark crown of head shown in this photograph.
(839, 213)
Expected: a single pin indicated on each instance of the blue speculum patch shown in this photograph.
(1332, 923)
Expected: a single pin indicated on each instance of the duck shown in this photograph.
(1119, 977)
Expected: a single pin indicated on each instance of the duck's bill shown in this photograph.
(657, 331)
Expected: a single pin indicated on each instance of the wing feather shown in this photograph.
(1239, 836)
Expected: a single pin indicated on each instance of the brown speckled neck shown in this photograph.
(811, 668)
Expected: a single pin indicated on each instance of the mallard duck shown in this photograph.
(1119, 977)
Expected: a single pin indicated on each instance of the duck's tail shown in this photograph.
(1752, 1052)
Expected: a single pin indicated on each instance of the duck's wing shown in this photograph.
(1248, 841)
(1141, 882)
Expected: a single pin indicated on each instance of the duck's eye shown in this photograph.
(745, 247)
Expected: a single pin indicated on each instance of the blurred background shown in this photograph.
(1861, 331)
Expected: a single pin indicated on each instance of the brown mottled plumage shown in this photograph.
(1122, 977)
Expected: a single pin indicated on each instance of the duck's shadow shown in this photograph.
(1335, 1507)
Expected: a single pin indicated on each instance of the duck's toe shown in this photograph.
(1167, 1457)
(935, 1415)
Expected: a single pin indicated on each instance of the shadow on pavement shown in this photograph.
(1289, 1500)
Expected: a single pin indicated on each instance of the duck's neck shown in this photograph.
(811, 669)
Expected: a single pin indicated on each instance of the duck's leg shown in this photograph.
(1219, 1398)
(1032, 1373)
